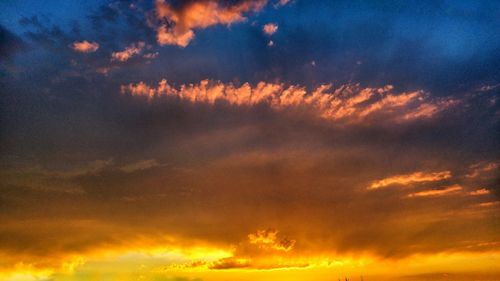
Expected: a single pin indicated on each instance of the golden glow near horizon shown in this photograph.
(211, 243)
(146, 264)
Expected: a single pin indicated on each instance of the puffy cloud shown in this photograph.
(181, 19)
(270, 28)
(437, 192)
(348, 104)
(85, 46)
(129, 52)
(407, 179)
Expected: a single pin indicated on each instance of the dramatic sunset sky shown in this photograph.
(249, 140)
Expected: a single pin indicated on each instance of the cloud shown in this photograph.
(482, 169)
(139, 166)
(270, 28)
(255, 264)
(437, 192)
(267, 239)
(181, 19)
(255, 252)
(230, 263)
(348, 104)
(407, 179)
(489, 204)
(481, 191)
(85, 46)
(92, 167)
(129, 52)
(487, 88)
(151, 55)
(95, 168)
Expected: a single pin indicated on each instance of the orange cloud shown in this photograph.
(348, 104)
(270, 28)
(85, 46)
(436, 192)
(481, 191)
(410, 179)
(181, 20)
(489, 204)
(129, 52)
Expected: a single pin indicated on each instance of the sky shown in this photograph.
(249, 140)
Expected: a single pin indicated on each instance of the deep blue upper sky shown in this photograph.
(441, 46)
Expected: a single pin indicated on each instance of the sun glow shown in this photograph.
(198, 262)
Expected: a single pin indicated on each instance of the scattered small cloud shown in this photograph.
(270, 28)
(151, 55)
(85, 46)
(487, 88)
(104, 70)
(129, 52)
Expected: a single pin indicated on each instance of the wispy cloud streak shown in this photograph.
(410, 179)
(348, 103)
